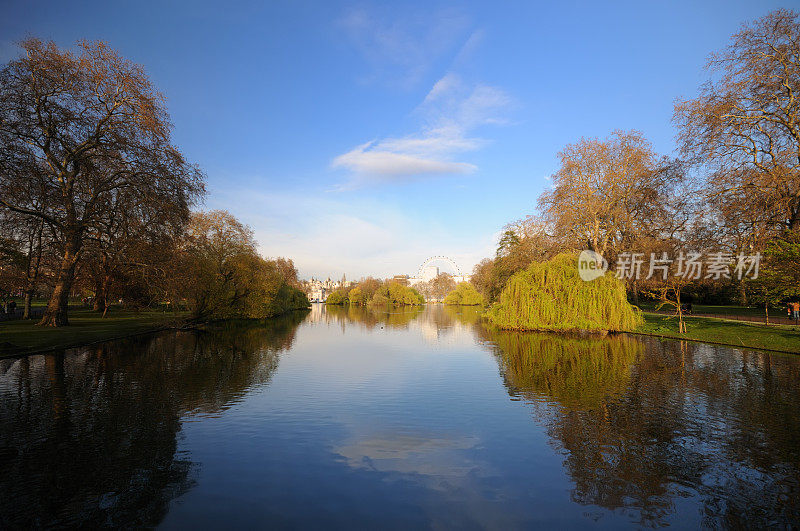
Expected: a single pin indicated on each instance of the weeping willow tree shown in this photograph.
(551, 295)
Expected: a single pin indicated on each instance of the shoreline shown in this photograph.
(177, 323)
(709, 342)
(137, 323)
(79, 344)
(720, 331)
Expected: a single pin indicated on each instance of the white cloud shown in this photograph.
(399, 48)
(358, 237)
(445, 85)
(385, 163)
(450, 112)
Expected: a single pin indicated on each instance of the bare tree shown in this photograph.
(609, 193)
(77, 129)
(745, 123)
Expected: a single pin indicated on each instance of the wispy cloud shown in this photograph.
(378, 159)
(401, 49)
(450, 113)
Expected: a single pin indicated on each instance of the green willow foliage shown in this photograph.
(464, 294)
(551, 295)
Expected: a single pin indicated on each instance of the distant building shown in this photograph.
(413, 281)
(318, 290)
(401, 279)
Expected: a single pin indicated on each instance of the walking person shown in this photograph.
(795, 309)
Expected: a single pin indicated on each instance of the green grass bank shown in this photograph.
(782, 338)
(86, 327)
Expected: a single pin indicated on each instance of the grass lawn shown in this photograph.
(778, 311)
(20, 337)
(738, 333)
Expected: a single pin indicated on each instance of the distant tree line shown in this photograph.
(371, 291)
(437, 288)
(735, 190)
(95, 199)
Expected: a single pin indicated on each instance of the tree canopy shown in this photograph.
(464, 294)
(551, 295)
(84, 134)
(224, 277)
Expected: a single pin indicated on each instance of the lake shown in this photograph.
(398, 418)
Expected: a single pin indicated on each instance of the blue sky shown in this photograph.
(363, 137)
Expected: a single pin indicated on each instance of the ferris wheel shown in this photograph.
(432, 259)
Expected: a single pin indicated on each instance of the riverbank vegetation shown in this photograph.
(370, 291)
(733, 195)
(551, 295)
(222, 275)
(394, 293)
(464, 294)
(437, 288)
(96, 201)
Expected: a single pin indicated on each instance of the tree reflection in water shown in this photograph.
(661, 433)
(90, 435)
(368, 317)
(643, 423)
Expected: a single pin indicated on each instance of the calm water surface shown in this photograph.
(346, 418)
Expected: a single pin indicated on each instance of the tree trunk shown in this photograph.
(32, 270)
(58, 305)
(99, 302)
(794, 220)
(26, 312)
(102, 286)
(681, 324)
(104, 291)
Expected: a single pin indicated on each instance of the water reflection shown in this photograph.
(576, 372)
(644, 424)
(399, 418)
(435, 322)
(89, 436)
(367, 317)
